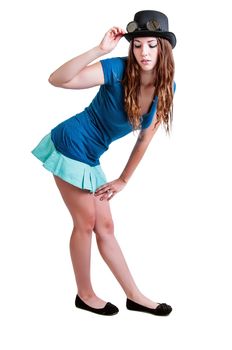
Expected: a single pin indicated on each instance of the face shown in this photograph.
(146, 52)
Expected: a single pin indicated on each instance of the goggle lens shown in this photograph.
(150, 25)
(131, 27)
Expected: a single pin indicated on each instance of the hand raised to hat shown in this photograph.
(111, 39)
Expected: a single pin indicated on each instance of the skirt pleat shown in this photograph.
(76, 173)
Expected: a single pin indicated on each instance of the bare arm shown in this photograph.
(139, 150)
(77, 73)
(108, 190)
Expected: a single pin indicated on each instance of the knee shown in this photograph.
(104, 229)
(84, 226)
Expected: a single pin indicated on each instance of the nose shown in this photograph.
(144, 50)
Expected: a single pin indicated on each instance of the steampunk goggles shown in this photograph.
(151, 25)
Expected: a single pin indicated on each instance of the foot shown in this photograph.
(108, 309)
(161, 310)
(142, 300)
(93, 301)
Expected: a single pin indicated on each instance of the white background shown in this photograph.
(172, 220)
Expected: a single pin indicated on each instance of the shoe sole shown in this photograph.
(96, 313)
(147, 312)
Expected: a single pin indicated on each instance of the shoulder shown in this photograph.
(115, 62)
(113, 69)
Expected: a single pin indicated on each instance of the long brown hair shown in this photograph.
(164, 75)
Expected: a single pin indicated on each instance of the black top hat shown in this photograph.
(150, 23)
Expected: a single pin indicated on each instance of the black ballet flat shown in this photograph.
(161, 310)
(108, 310)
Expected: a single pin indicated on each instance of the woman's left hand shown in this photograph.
(109, 190)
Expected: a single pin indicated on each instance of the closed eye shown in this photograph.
(139, 46)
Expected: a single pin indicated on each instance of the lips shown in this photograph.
(145, 61)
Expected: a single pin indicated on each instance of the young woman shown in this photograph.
(136, 93)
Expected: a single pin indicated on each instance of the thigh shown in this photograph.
(80, 203)
(103, 217)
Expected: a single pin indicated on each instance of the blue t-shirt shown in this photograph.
(87, 135)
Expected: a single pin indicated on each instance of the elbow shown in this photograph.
(52, 81)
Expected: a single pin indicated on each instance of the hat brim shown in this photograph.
(144, 33)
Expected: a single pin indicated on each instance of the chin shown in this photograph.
(147, 69)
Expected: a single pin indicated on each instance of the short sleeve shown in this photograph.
(174, 86)
(113, 69)
(147, 119)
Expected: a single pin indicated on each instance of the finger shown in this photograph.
(122, 31)
(96, 193)
(104, 193)
(116, 31)
(102, 188)
(99, 193)
(104, 197)
(113, 31)
(111, 196)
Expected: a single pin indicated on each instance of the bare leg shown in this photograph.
(82, 209)
(113, 256)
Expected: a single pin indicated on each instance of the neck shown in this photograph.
(147, 79)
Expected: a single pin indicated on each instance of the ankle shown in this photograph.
(86, 295)
(134, 294)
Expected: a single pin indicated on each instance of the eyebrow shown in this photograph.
(149, 41)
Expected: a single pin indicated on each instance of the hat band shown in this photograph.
(151, 25)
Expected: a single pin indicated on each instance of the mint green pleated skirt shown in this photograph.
(76, 173)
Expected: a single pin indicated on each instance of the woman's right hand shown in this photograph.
(111, 39)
